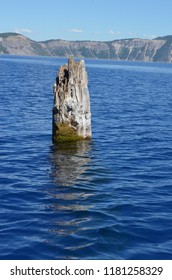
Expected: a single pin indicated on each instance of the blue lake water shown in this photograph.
(110, 198)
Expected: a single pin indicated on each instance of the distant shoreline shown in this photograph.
(141, 50)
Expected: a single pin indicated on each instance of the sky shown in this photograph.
(98, 20)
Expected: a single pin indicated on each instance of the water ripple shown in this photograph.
(109, 198)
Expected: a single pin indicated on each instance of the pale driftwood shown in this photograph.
(71, 111)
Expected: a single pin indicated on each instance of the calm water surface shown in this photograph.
(110, 198)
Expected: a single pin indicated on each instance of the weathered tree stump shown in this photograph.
(71, 119)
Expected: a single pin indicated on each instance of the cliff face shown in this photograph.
(136, 49)
(158, 50)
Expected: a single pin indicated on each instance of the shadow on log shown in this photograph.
(71, 119)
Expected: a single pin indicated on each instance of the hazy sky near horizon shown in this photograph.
(103, 20)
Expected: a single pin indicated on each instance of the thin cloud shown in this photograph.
(75, 30)
(151, 36)
(132, 34)
(114, 33)
(23, 30)
(95, 32)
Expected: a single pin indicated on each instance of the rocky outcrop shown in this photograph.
(159, 49)
(71, 111)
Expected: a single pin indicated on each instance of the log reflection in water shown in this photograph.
(69, 161)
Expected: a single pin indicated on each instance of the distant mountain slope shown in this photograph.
(157, 50)
(14, 43)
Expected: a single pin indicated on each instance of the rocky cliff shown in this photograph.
(157, 50)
